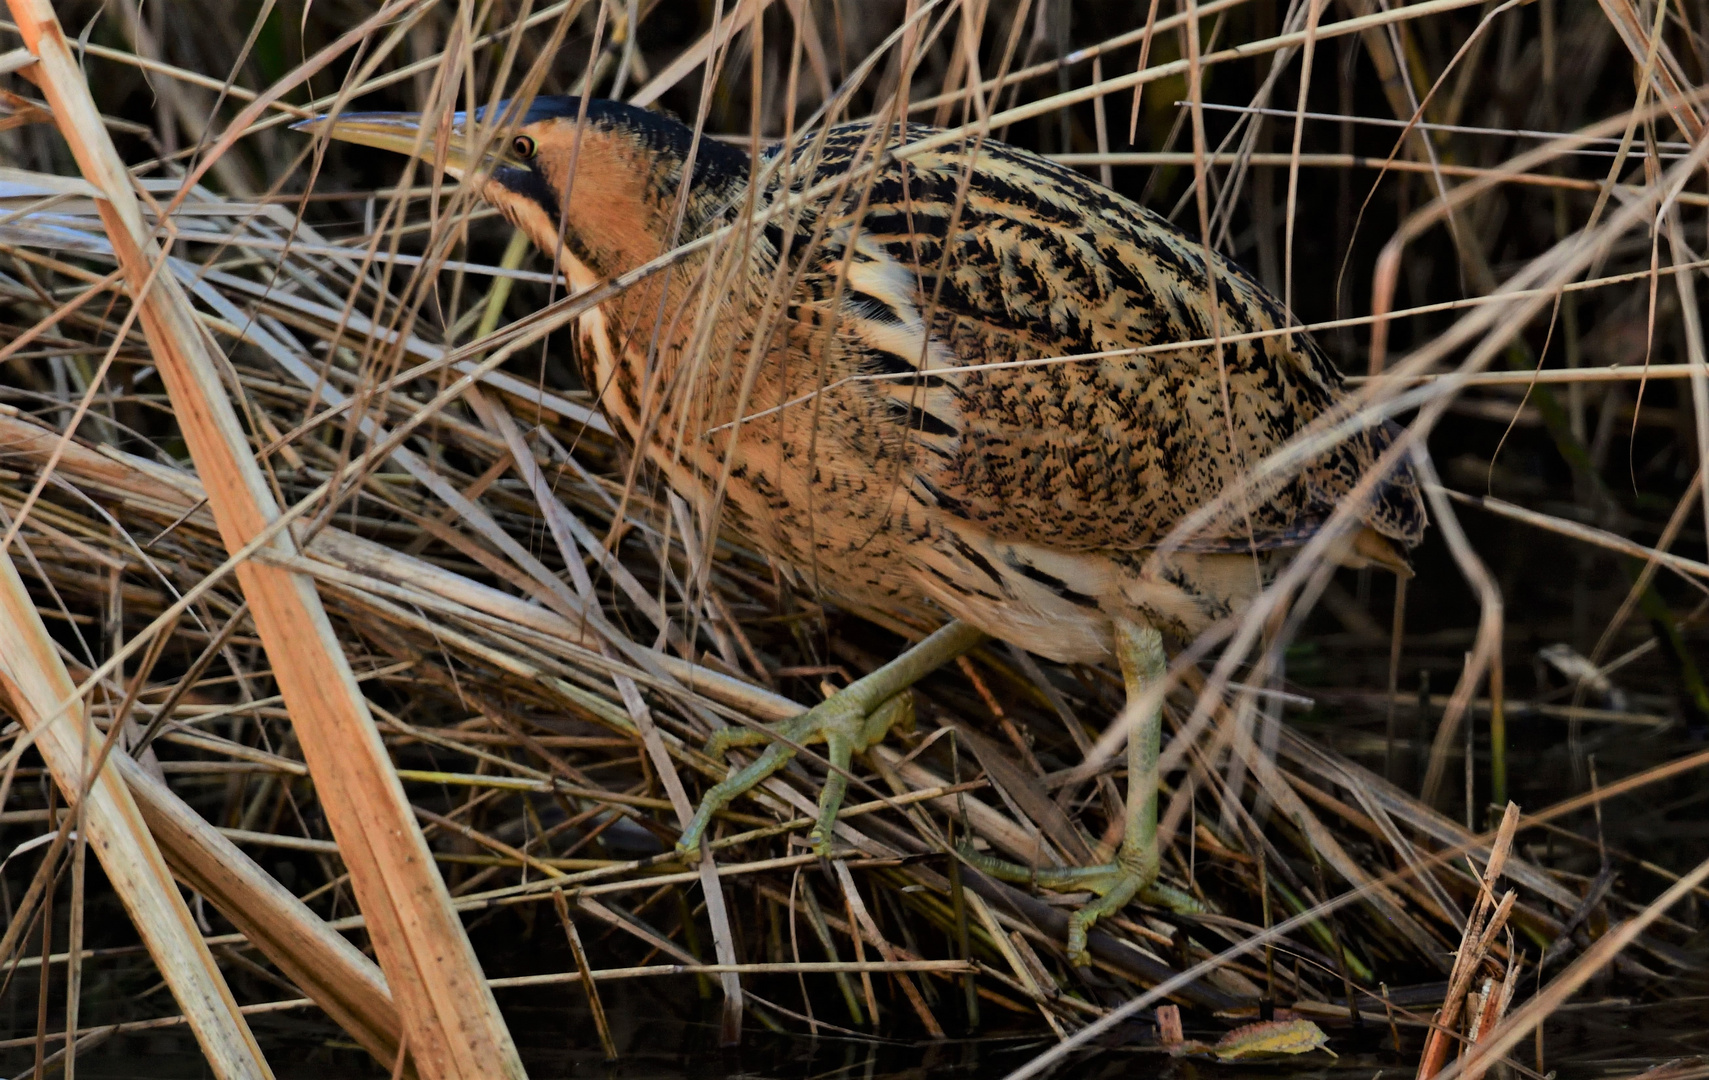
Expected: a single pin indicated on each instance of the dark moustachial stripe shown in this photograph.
(530, 185)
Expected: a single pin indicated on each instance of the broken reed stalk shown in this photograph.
(1559, 990)
(449, 1016)
(1469, 959)
(595, 1005)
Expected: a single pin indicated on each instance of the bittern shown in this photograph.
(938, 377)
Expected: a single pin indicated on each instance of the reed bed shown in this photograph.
(1421, 817)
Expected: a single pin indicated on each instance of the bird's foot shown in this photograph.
(1114, 884)
(845, 722)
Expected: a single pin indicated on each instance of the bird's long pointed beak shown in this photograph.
(401, 133)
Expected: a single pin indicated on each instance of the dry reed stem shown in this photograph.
(870, 932)
(85, 1036)
(450, 1018)
(1507, 1034)
(37, 689)
(701, 52)
(1686, 568)
(533, 644)
(880, 967)
(336, 976)
(1007, 948)
(595, 1005)
(1355, 161)
(651, 971)
(1245, 51)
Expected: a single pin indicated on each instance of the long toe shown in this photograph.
(845, 722)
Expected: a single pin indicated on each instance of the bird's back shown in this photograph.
(939, 397)
(1079, 443)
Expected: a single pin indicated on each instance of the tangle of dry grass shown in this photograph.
(1486, 214)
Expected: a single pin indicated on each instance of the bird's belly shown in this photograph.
(1062, 604)
(1048, 603)
(881, 546)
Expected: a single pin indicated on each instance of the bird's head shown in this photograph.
(594, 182)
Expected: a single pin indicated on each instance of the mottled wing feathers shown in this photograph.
(1090, 451)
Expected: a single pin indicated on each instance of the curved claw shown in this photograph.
(1079, 924)
(819, 842)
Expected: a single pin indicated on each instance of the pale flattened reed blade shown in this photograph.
(451, 1020)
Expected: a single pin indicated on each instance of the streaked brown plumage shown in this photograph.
(824, 379)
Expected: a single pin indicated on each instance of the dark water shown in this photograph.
(665, 1029)
(671, 1034)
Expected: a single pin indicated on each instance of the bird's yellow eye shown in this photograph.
(524, 147)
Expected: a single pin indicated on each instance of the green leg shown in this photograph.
(1139, 649)
(849, 721)
(1144, 665)
(898, 712)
